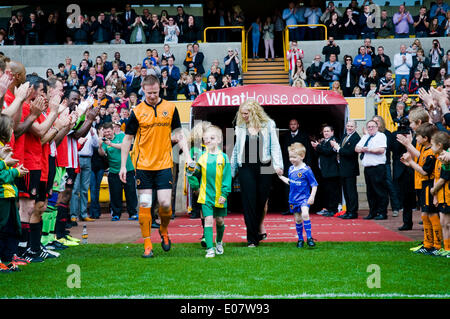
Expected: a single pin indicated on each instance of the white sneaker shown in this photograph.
(219, 248)
(210, 253)
(395, 213)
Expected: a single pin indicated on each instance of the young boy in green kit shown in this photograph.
(212, 176)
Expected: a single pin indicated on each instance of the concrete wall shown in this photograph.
(39, 58)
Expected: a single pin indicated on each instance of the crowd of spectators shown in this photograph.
(111, 26)
(370, 72)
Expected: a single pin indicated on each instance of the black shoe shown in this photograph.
(369, 217)
(310, 242)
(352, 216)
(300, 243)
(203, 242)
(149, 255)
(286, 213)
(165, 245)
(329, 214)
(344, 216)
(155, 225)
(405, 227)
(380, 217)
(262, 236)
(69, 225)
(194, 216)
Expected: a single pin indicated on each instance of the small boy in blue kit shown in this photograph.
(302, 192)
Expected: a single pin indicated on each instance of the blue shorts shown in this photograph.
(297, 207)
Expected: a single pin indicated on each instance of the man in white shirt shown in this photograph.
(372, 147)
(402, 63)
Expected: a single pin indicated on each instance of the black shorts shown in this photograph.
(51, 174)
(28, 185)
(156, 180)
(443, 208)
(426, 199)
(71, 176)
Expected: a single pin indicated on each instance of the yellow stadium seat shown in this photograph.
(181, 97)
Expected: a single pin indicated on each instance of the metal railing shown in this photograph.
(286, 38)
(244, 44)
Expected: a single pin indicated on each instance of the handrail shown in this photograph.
(243, 41)
(286, 38)
(244, 69)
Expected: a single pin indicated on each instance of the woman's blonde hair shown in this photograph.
(299, 83)
(257, 116)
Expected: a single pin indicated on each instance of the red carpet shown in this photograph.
(282, 228)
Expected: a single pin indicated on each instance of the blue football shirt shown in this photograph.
(300, 182)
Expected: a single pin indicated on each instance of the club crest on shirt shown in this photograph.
(138, 181)
(299, 175)
(165, 113)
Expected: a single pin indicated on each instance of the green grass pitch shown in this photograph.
(273, 270)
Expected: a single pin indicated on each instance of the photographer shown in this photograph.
(331, 48)
(436, 54)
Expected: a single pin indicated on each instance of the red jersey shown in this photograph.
(61, 154)
(33, 149)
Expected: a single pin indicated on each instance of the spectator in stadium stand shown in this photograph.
(402, 19)
(387, 84)
(439, 10)
(136, 84)
(197, 58)
(420, 61)
(97, 80)
(349, 25)
(100, 66)
(116, 24)
(16, 29)
(231, 62)
(331, 8)
(348, 76)
(173, 70)
(313, 72)
(446, 63)
(445, 26)
(127, 18)
(171, 32)
(421, 23)
(122, 64)
(386, 26)
(62, 71)
(363, 61)
(293, 54)
(331, 47)
(199, 85)
(237, 20)
(366, 23)
(355, 7)
(436, 54)
(81, 31)
(402, 65)
(50, 30)
(155, 30)
(191, 32)
(291, 17)
(434, 29)
(168, 86)
(299, 72)
(381, 62)
(69, 66)
(138, 28)
(120, 73)
(117, 39)
(49, 73)
(312, 15)
(73, 81)
(32, 29)
(334, 26)
(102, 99)
(86, 56)
(331, 70)
(100, 30)
(181, 20)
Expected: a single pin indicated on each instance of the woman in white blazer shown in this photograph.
(255, 155)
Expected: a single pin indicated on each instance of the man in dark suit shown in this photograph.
(348, 168)
(127, 18)
(329, 170)
(294, 136)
